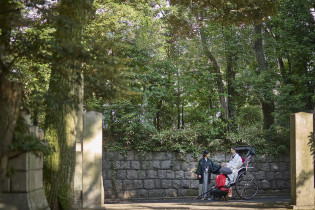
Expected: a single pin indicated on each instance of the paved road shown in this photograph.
(262, 203)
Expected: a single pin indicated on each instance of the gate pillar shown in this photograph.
(302, 161)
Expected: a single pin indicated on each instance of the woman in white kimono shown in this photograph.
(234, 164)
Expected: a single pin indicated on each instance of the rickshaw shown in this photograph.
(246, 184)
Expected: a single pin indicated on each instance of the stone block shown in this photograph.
(108, 184)
(108, 194)
(142, 193)
(149, 184)
(157, 193)
(19, 182)
(137, 184)
(273, 184)
(179, 157)
(189, 166)
(109, 174)
(118, 185)
(270, 175)
(19, 162)
(256, 167)
(31, 200)
(111, 155)
(284, 166)
(106, 165)
(171, 193)
(282, 184)
(121, 156)
(166, 164)
(194, 184)
(127, 184)
(286, 175)
(160, 156)
(176, 165)
(127, 194)
(152, 174)
(35, 179)
(135, 165)
(121, 174)
(265, 184)
(141, 174)
(218, 157)
(166, 183)
(124, 165)
(192, 192)
(278, 175)
(35, 162)
(168, 156)
(6, 185)
(280, 159)
(185, 183)
(131, 174)
(274, 167)
(182, 192)
(37, 200)
(179, 174)
(191, 175)
(157, 183)
(261, 175)
(147, 156)
(189, 157)
(130, 155)
(264, 167)
(170, 174)
(176, 184)
(145, 165)
(155, 164)
(162, 174)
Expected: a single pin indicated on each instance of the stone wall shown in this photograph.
(165, 174)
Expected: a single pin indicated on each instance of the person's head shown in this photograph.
(206, 153)
(233, 150)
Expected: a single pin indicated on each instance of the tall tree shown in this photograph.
(267, 103)
(12, 25)
(64, 106)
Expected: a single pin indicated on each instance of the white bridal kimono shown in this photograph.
(234, 163)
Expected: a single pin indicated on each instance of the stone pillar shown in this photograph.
(301, 158)
(93, 191)
(24, 189)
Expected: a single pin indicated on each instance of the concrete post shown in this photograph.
(301, 160)
(93, 192)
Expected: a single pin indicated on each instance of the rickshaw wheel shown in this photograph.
(246, 185)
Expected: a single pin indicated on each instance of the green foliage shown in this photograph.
(145, 69)
(26, 141)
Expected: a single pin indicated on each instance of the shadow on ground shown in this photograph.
(263, 203)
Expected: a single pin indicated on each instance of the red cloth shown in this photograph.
(243, 159)
(220, 180)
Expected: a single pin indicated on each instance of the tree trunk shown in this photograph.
(10, 100)
(231, 92)
(182, 116)
(216, 68)
(64, 121)
(159, 106)
(10, 92)
(267, 105)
